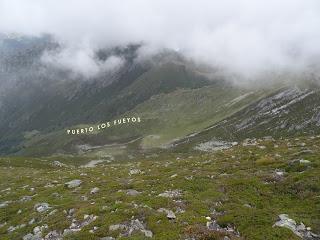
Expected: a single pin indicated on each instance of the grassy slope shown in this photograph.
(60, 103)
(93, 104)
(165, 117)
(234, 177)
(300, 118)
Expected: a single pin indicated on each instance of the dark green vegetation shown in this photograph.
(239, 187)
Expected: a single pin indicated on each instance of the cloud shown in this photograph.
(81, 61)
(245, 37)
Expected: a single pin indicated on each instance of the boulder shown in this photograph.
(73, 183)
(94, 190)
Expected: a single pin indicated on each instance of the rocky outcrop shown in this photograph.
(127, 229)
(298, 229)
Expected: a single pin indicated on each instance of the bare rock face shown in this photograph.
(298, 229)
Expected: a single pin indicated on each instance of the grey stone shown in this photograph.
(170, 214)
(26, 198)
(12, 228)
(94, 190)
(298, 229)
(132, 192)
(30, 236)
(171, 194)
(58, 164)
(41, 207)
(134, 171)
(53, 235)
(73, 183)
(130, 227)
(4, 204)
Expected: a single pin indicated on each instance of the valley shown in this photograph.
(160, 148)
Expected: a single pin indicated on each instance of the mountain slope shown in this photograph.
(164, 119)
(290, 111)
(46, 100)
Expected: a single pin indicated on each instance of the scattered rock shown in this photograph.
(58, 164)
(279, 173)
(53, 212)
(41, 207)
(130, 227)
(170, 214)
(132, 192)
(134, 171)
(268, 138)
(32, 221)
(171, 194)
(247, 205)
(74, 183)
(37, 231)
(30, 236)
(107, 238)
(56, 195)
(117, 227)
(93, 163)
(94, 229)
(94, 190)
(214, 226)
(299, 229)
(302, 161)
(3, 224)
(5, 204)
(12, 228)
(84, 198)
(76, 226)
(215, 145)
(26, 199)
(249, 142)
(53, 235)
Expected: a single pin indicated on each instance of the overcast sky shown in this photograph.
(240, 35)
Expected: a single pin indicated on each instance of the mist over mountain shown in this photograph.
(72, 63)
(159, 119)
(244, 38)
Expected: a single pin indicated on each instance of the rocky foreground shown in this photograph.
(256, 189)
